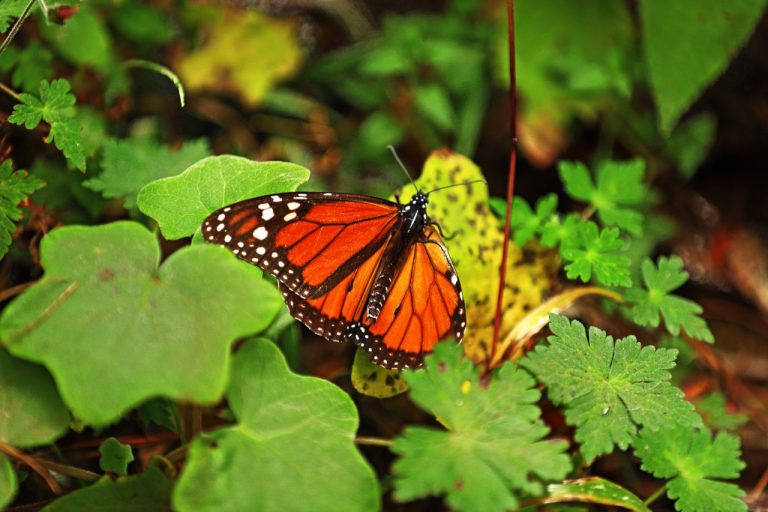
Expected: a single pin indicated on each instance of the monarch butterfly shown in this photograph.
(352, 268)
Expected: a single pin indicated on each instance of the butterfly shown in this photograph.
(352, 268)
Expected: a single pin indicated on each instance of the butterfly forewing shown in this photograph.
(309, 241)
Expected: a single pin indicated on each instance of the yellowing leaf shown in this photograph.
(245, 53)
(475, 248)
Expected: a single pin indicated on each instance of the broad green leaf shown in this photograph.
(8, 483)
(292, 448)
(15, 187)
(594, 490)
(148, 492)
(32, 67)
(115, 330)
(245, 52)
(593, 252)
(372, 380)
(714, 412)
(695, 464)
(180, 203)
(55, 106)
(608, 389)
(434, 104)
(474, 239)
(115, 456)
(82, 40)
(142, 23)
(31, 411)
(618, 186)
(493, 449)
(655, 300)
(704, 35)
(64, 193)
(130, 164)
(691, 141)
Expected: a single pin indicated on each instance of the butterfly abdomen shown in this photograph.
(378, 295)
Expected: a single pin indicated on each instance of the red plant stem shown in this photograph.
(511, 178)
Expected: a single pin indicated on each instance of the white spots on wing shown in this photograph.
(454, 279)
(254, 260)
(240, 244)
(293, 206)
(260, 250)
(274, 254)
(209, 228)
(289, 216)
(220, 227)
(280, 264)
(221, 217)
(260, 233)
(264, 206)
(235, 252)
(225, 210)
(227, 239)
(277, 199)
(268, 214)
(461, 295)
(328, 194)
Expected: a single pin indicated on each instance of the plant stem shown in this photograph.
(157, 68)
(656, 495)
(16, 26)
(374, 441)
(510, 179)
(10, 92)
(33, 464)
(74, 472)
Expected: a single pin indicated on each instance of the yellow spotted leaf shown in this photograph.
(245, 53)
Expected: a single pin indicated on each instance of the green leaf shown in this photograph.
(9, 485)
(82, 40)
(180, 204)
(148, 492)
(593, 252)
(372, 380)
(379, 130)
(15, 187)
(115, 330)
(492, 450)
(695, 463)
(691, 141)
(705, 35)
(10, 9)
(33, 66)
(617, 186)
(65, 194)
(142, 23)
(594, 490)
(130, 164)
(563, 231)
(31, 411)
(608, 389)
(715, 414)
(55, 106)
(655, 301)
(115, 456)
(288, 427)
(432, 102)
(528, 223)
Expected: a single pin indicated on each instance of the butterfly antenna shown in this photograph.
(391, 148)
(457, 185)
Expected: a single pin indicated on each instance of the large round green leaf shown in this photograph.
(180, 203)
(8, 482)
(116, 330)
(31, 411)
(292, 449)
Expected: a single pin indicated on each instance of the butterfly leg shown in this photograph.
(440, 230)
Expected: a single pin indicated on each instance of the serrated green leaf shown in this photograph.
(15, 187)
(33, 66)
(527, 223)
(104, 303)
(82, 40)
(372, 380)
(287, 425)
(715, 414)
(595, 252)
(706, 35)
(148, 492)
(130, 164)
(594, 490)
(180, 203)
(655, 301)
(10, 9)
(608, 389)
(561, 231)
(694, 463)
(8, 482)
(31, 411)
(115, 456)
(617, 186)
(493, 449)
(55, 106)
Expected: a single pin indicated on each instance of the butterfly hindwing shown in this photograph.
(309, 241)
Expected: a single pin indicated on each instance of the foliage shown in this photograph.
(492, 450)
(15, 187)
(115, 456)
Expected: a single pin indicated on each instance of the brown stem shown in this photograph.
(33, 464)
(14, 290)
(510, 179)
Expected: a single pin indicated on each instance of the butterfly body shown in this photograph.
(352, 268)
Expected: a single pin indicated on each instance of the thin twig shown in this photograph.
(16, 26)
(14, 290)
(10, 92)
(33, 464)
(758, 489)
(58, 301)
(373, 441)
(74, 472)
(510, 178)
(656, 495)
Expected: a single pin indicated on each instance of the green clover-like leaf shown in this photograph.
(116, 330)
(291, 450)
(609, 389)
(595, 252)
(115, 456)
